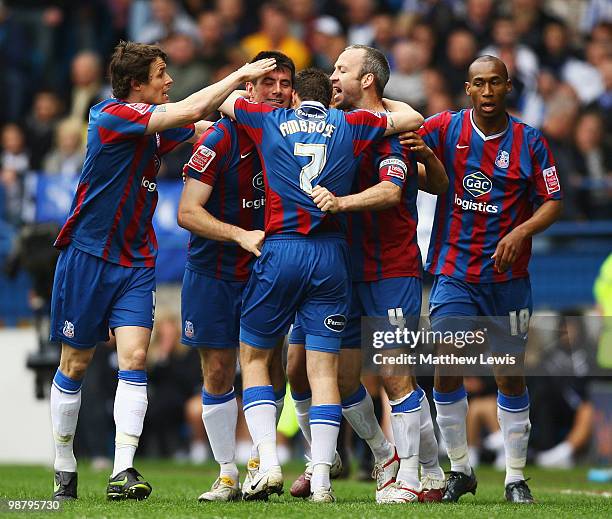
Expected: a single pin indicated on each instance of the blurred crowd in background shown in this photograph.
(54, 56)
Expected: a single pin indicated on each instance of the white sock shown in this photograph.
(406, 425)
(220, 414)
(65, 405)
(324, 425)
(279, 400)
(302, 407)
(358, 409)
(254, 451)
(474, 455)
(513, 417)
(129, 412)
(428, 445)
(260, 413)
(452, 411)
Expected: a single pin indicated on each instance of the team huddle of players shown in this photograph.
(302, 217)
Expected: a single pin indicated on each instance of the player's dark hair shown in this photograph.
(132, 61)
(375, 63)
(282, 61)
(312, 84)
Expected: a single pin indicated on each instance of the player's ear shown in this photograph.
(250, 88)
(508, 86)
(367, 80)
(467, 88)
(135, 84)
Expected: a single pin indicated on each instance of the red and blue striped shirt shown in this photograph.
(383, 244)
(225, 158)
(302, 148)
(112, 211)
(495, 182)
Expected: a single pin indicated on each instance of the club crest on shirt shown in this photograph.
(258, 181)
(503, 159)
(189, 333)
(201, 159)
(68, 330)
(477, 184)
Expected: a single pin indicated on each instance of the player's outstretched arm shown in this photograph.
(510, 245)
(198, 105)
(432, 175)
(193, 217)
(403, 121)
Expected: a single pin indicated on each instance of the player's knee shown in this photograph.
(74, 363)
(75, 368)
(218, 381)
(135, 360)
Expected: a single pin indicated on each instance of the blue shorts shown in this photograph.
(91, 295)
(210, 311)
(304, 278)
(502, 308)
(392, 298)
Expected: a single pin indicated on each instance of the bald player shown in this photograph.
(504, 188)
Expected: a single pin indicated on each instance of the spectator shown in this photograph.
(14, 58)
(69, 153)
(87, 85)
(479, 19)
(274, 35)
(505, 40)
(536, 104)
(406, 80)
(460, 52)
(302, 15)
(167, 19)
(384, 35)
(597, 11)
(212, 51)
(359, 14)
(556, 47)
(237, 23)
(14, 162)
(530, 19)
(558, 128)
(40, 126)
(328, 42)
(593, 159)
(604, 101)
(187, 71)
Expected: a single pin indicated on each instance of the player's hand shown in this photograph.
(508, 250)
(415, 143)
(251, 241)
(325, 200)
(251, 71)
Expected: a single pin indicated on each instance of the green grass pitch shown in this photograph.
(176, 487)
